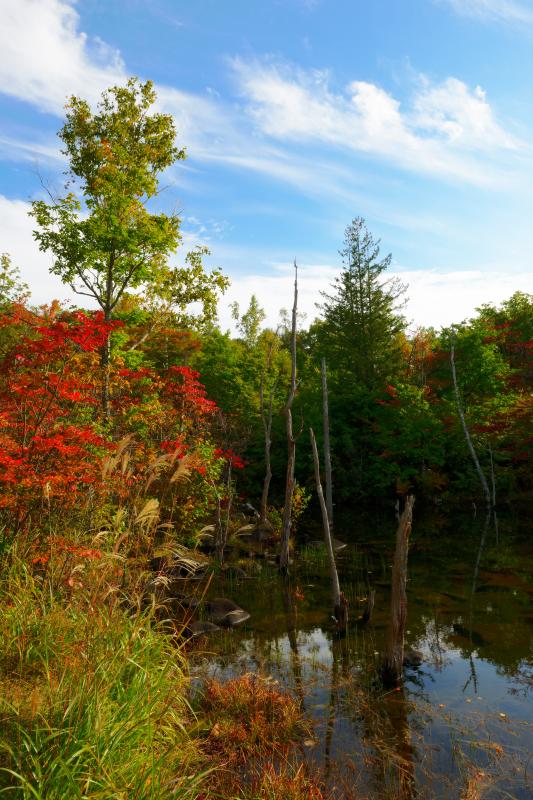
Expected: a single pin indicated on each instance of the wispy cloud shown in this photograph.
(448, 130)
(441, 132)
(494, 10)
(19, 150)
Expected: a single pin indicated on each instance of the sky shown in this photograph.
(297, 116)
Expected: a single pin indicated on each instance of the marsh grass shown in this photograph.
(255, 730)
(92, 699)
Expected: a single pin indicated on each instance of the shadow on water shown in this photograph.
(459, 726)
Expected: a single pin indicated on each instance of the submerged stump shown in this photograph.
(392, 666)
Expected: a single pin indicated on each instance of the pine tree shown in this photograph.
(361, 319)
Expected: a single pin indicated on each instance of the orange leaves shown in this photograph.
(59, 547)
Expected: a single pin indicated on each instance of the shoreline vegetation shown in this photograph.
(96, 702)
(132, 440)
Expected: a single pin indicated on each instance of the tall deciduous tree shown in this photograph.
(102, 234)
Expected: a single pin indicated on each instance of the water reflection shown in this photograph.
(469, 613)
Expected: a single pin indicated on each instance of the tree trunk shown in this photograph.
(105, 353)
(266, 418)
(466, 432)
(105, 364)
(291, 441)
(340, 604)
(222, 529)
(492, 477)
(327, 451)
(263, 508)
(393, 659)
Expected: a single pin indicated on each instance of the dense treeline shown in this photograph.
(394, 421)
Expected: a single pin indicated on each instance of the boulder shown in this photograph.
(226, 613)
(202, 627)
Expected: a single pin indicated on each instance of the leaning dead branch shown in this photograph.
(466, 432)
(340, 604)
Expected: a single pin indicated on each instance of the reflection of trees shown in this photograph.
(434, 640)
(330, 725)
(386, 736)
(396, 707)
(472, 679)
(291, 619)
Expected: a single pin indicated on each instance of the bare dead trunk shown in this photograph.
(340, 604)
(291, 441)
(222, 529)
(466, 432)
(266, 418)
(327, 450)
(393, 659)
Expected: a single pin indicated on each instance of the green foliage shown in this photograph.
(361, 325)
(12, 287)
(249, 325)
(101, 234)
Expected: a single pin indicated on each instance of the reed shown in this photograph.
(92, 700)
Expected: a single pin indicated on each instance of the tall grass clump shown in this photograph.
(92, 699)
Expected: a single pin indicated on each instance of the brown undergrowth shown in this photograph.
(253, 733)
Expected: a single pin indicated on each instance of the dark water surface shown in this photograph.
(461, 726)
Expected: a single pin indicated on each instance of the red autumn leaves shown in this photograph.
(52, 438)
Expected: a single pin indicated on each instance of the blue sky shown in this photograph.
(297, 116)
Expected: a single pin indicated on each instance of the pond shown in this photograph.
(461, 724)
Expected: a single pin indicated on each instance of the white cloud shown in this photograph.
(494, 10)
(438, 298)
(44, 58)
(436, 134)
(461, 116)
(435, 298)
(17, 240)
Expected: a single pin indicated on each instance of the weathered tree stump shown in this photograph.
(392, 667)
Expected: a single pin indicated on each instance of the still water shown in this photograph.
(461, 726)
